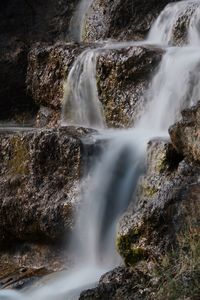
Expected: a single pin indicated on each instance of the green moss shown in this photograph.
(19, 156)
(136, 254)
(125, 245)
(149, 191)
(162, 165)
(123, 242)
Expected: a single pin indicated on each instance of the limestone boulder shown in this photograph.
(40, 174)
(165, 198)
(185, 134)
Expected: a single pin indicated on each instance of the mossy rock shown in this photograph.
(19, 156)
(128, 249)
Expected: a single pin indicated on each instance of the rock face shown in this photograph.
(39, 193)
(161, 205)
(120, 284)
(40, 179)
(122, 76)
(185, 135)
(39, 189)
(24, 263)
(121, 20)
(48, 67)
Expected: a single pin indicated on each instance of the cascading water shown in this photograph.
(164, 28)
(162, 31)
(175, 87)
(194, 28)
(76, 26)
(113, 178)
(81, 104)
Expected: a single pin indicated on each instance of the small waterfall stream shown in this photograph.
(81, 104)
(162, 31)
(77, 21)
(113, 179)
(194, 28)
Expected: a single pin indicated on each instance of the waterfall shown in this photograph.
(112, 180)
(194, 28)
(81, 105)
(162, 31)
(175, 87)
(111, 185)
(77, 21)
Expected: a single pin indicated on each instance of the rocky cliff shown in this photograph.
(42, 166)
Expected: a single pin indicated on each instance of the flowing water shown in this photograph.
(81, 104)
(113, 178)
(77, 22)
(194, 28)
(165, 27)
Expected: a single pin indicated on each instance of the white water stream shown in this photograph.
(81, 103)
(164, 28)
(77, 21)
(112, 180)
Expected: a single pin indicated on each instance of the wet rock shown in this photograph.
(44, 116)
(180, 29)
(122, 77)
(47, 69)
(151, 224)
(121, 283)
(40, 173)
(22, 264)
(121, 20)
(185, 134)
(176, 20)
